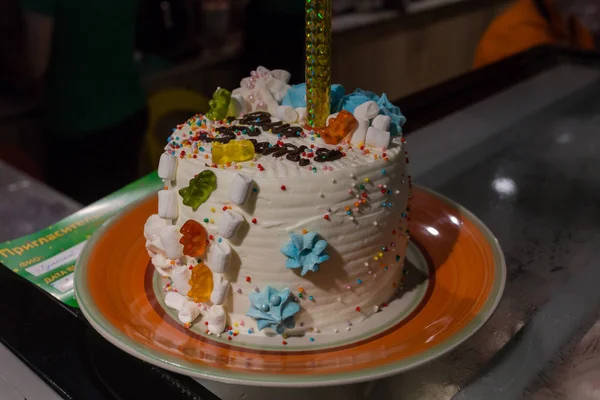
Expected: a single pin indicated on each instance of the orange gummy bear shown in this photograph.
(339, 127)
(201, 283)
(193, 239)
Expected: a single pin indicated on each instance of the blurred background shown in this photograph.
(184, 49)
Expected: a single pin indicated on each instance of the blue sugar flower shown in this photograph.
(273, 309)
(351, 101)
(305, 251)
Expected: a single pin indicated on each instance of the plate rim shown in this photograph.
(269, 380)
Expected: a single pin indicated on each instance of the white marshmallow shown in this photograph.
(219, 292)
(169, 238)
(152, 229)
(237, 105)
(153, 226)
(240, 189)
(162, 264)
(167, 204)
(377, 138)
(287, 114)
(368, 110)
(263, 95)
(167, 167)
(382, 122)
(282, 75)
(219, 256)
(332, 116)
(360, 134)
(301, 114)
(230, 223)
(175, 300)
(189, 312)
(181, 279)
(277, 88)
(215, 316)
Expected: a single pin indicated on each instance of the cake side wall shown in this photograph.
(351, 279)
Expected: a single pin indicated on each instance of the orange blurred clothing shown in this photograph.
(524, 25)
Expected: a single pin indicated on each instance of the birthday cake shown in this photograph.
(276, 227)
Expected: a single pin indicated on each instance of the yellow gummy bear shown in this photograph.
(236, 150)
(201, 283)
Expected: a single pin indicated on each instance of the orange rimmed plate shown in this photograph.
(116, 292)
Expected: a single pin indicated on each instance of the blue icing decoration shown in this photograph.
(359, 96)
(392, 111)
(355, 99)
(273, 309)
(305, 251)
(296, 97)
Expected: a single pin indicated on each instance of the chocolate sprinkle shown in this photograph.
(263, 119)
(322, 155)
(293, 152)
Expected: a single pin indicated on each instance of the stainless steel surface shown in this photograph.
(527, 163)
(27, 205)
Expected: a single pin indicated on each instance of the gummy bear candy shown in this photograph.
(193, 238)
(199, 190)
(201, 283)
(339, 127)
(219, 104)
(236, 150)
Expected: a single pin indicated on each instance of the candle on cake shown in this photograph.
(318, 61)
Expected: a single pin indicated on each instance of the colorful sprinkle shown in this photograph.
(248, 279)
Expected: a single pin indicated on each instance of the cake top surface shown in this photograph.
(282, 155)
(260, 130)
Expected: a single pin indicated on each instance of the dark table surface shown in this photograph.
(516, 143)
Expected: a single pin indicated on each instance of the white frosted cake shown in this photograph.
(263, 225)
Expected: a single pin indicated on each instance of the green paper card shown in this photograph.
(47, 258)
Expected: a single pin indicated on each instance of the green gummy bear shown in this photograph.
(219, 105)
(200, 188)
